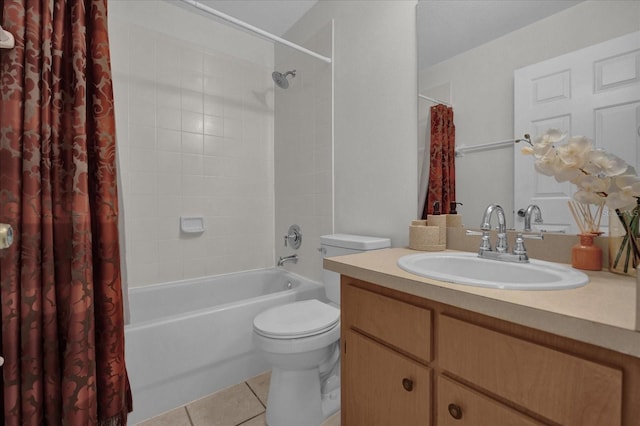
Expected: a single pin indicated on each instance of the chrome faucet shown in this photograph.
(531, 209)
(501, 245)
(293, 258)
(501, 252)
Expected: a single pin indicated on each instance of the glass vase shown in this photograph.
(585, 254)
(621, 254)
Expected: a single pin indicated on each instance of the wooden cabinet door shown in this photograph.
(381, 387)
(561, 387)
(458, 405)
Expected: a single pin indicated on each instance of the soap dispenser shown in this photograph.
(454, 220)
(439, 220)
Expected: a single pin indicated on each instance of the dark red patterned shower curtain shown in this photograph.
(442, 170)
(60, 289)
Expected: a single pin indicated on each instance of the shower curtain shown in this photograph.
(442, 171)
(62, 332)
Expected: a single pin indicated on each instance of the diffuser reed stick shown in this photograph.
(588, 220)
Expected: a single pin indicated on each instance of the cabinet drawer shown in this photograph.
(402, 325)
(458, 406)
(561, 387)
(382, 387)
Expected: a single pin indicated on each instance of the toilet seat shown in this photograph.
(297, 320)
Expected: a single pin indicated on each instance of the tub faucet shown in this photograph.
(293, 258)
(531, 209)
(519, 252)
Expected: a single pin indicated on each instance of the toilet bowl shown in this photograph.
(300, 341)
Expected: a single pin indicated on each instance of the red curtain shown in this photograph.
(60, 288)
(442, 169)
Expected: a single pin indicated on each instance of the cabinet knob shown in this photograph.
(455, 411)
(407, 384)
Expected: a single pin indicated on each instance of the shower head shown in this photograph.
(281, 79)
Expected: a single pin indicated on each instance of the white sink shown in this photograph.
(469, 269)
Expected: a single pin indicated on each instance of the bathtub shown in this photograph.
(190, 338)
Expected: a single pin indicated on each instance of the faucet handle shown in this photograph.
(519, 248)
(293, 237)
(531, 236)
(485, 244)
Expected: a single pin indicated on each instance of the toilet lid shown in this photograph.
(297, 319)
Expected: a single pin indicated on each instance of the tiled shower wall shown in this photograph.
(194, 116)
(304, 151)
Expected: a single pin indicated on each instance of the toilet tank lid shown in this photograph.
(355, 242)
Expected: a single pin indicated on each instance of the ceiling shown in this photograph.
(445, 27)
(449, 27)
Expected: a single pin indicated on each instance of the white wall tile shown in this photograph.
(143, 183)
(169, 118)
(192, 100)
(192, 122)
(213, 125)
(181, 105)
(143, 160)
(191, 165)
(168, 140)
(213, 104)
(192, 143)
(169, 183)
(213, 145)
(302, 161)
(169, 162)
(142, 137)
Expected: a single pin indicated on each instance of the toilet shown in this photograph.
(300, 340)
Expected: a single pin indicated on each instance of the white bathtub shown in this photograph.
(190, 338)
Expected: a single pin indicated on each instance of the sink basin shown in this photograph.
(469, 269)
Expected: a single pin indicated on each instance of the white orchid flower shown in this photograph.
(629, 184)
(600, 177)
(527, 150)
(593, 183)
(588, 197)
(602, 162)
(620, 200)
(550, 137)
(547, 163)
(575, 153)
(563, 173)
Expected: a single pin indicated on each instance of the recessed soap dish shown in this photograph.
(192, 224)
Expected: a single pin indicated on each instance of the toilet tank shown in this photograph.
(340, 244)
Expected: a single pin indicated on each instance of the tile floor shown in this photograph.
(242, 404)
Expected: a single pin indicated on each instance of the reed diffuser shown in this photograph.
(586, 254)
(587, 216)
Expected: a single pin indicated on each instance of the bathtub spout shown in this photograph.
(293, 258)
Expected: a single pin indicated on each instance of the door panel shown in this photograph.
(593, 92)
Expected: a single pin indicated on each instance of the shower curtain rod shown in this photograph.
(255, 30)
(463, 149)
(434, 100)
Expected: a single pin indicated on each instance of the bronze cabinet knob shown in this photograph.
(455, 411)
(407, 384)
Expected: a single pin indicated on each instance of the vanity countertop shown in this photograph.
(602, 312)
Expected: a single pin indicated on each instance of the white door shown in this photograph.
(593, 92)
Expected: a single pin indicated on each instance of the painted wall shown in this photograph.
(479, 83)
(194, 121)
(375, 113)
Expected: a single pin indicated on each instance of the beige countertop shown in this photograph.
(602, 312)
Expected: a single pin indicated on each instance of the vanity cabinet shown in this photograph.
(408, 360)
